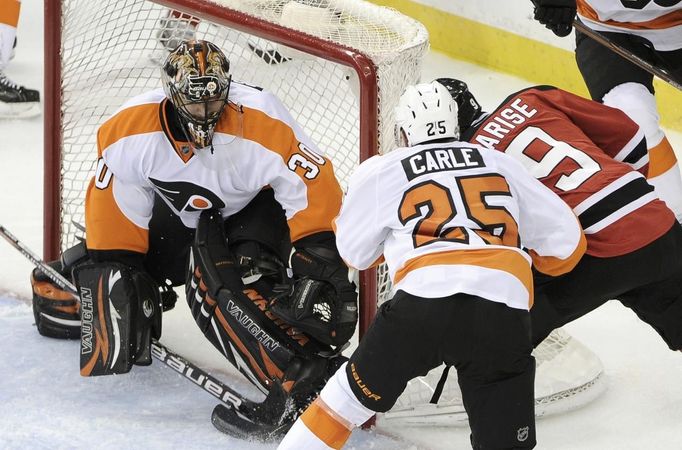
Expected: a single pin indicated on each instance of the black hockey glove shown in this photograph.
(556, 15)
(324, 301)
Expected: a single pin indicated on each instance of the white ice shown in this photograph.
(45, 404)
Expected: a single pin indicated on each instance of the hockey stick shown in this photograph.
(636, 60)
(207, 382)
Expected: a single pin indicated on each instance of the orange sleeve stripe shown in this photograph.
(550, 265)
(9, 12)
(323, 205)
(137, 119)
(326, 425)
(107, 228)
(509, 261)
(661, 159)
(323, 193)
(672, 19)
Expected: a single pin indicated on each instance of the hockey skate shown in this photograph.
(270, 420)
(17, 102)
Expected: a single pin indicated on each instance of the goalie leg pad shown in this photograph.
(235, 318)
(120, 314)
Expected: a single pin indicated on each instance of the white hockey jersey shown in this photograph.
(454, 217)
(659, 21)
(257, 145)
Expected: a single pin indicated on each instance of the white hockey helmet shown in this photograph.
(425, 112)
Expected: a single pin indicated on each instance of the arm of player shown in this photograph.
(609, 128)
(322, 190)
(360, 232)
(117, 214)
(548, 226)
(298, 171)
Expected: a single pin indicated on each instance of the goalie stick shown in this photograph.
(228, 396)
(636, 60)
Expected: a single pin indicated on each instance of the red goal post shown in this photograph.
(89, 47)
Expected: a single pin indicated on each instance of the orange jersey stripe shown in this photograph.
(672, 19)
(661, 159)
(509, 261)
(107, 228)
(326, 425)
(9, 12)
(550, 265)
(134, 120)
(323, 192)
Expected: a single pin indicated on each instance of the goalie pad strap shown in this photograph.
(120, 313)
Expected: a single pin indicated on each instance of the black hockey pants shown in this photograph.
(487, 342)
(649, 281)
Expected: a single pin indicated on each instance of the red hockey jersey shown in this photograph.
(591, 155)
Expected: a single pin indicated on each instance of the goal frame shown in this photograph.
(359, 62)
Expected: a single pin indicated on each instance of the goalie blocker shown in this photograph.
(120, 314)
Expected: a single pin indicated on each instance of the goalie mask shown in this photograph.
(196, 79)
(468, 109)
(426, 112)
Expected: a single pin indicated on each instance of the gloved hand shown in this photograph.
(326, 312)
(324, 265)
(556, 15)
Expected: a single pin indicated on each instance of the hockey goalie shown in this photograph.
(209, 183)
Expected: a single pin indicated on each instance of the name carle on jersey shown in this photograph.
(433, 160)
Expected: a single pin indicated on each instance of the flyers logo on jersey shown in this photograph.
(187, 197)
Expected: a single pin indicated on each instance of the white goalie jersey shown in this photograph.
(455, 218)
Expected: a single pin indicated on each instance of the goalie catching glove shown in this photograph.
(324, 301)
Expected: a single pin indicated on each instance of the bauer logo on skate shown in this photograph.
(365, 390)
(434, 160)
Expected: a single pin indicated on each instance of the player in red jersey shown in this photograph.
(594, 157)
(648, 29)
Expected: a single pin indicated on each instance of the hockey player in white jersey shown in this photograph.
(209, 183)
(459, 227)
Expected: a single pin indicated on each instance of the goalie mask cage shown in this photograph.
(338, 65)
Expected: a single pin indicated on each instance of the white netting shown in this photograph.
(111, 51)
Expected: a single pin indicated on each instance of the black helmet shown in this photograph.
(196, 78)
(468, 109)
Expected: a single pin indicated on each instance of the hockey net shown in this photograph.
(339, 66)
